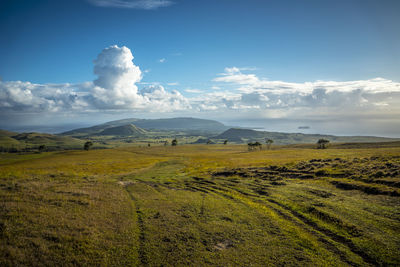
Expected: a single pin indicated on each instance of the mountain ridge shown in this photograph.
(124, 130)
(171, 124)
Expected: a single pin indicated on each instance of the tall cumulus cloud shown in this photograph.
(115, 86)
(114, 89)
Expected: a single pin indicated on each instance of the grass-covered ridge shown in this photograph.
(23, 141)
(127, 130)
(201, 205)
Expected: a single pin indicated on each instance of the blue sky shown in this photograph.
(186, 45)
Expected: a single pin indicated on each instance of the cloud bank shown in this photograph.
(365, 106)
(365, 96)
(249, 97)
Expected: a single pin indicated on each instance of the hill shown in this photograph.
(125, 130)
(31, 140)
(6, 139)
(238, 135)
(182, 124)
(204, 141)
(173, 124)
(50, 140)
(7, 133)
(98, 128)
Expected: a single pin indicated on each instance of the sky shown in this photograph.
(333, 66)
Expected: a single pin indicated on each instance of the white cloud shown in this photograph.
(162, 60)
(28, 97)
(115, 86)
(173, 84)
(193, 91)
(134, 4)
(251, 83)
(159, 100)
(114, 89)
(328, 99)
(223, 100)
(234, 75)
(205, 107)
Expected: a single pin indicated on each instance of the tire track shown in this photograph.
(319, 232)
(142, 237)
(338, 238)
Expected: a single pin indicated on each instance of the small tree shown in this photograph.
(42, 148)
(209, 141)
(225, 142)
(148, 145)
(269, 142)
(322, 143)
(166, 143)
(174, 142)
(87, 145)
(258, 144)
(252, 146)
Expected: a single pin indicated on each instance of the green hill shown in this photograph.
(49, 140)
(7, 133)
(182, 124)
(6, 141)
(32, 140)
(98, 128)
(126, 130)
(238, 135)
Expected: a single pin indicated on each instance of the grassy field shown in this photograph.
(202, 205)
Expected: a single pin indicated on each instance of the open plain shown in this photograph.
(202, 205)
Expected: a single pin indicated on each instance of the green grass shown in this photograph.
(31, 141)
(201, 205)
